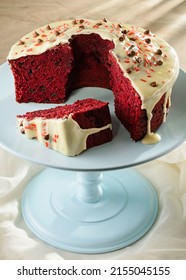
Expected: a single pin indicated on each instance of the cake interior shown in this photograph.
(90, 67)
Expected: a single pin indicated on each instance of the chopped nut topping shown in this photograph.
(46, 137)
(159, 62)
(124, 31)
(74, 21)
(81, 21)
(82, 26)
(39, 41)
(20, 43)
(148, 40)
(158, 52)
(131, 46)
(132, 39)
(57, 33)
(132, 53)
(138, 60)
(153, 84)
(122, 38)
(147, 32)
(48, 27)
(36, 33)
(129, 70)
(105, 20)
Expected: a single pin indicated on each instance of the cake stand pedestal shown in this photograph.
(94, 202)
(89, 212)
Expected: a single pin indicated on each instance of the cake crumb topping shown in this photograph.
(20, 43)
(153, 84)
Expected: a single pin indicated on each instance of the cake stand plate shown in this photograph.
(89, 211)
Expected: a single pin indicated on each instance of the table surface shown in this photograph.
(165, 18)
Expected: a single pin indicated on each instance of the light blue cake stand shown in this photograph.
(95, 202)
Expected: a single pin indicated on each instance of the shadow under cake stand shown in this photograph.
(95, 202)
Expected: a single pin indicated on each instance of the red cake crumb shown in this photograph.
(43, 78)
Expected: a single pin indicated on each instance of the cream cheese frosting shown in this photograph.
(63, 135)
(149, 62)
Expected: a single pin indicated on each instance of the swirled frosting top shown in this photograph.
(148, 61)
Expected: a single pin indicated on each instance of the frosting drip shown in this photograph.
(62, 135)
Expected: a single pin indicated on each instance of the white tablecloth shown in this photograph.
(165, 240)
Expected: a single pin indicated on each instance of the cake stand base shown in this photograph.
(89, 212)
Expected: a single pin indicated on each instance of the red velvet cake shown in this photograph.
(138, 66)
(69, 129)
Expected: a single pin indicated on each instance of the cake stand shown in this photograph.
(95, 202)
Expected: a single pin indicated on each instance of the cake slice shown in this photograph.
(69, 129)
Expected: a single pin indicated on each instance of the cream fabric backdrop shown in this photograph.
(166, 239)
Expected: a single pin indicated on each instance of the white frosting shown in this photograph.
(146, 60)
(151, 138)
(62, 135)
